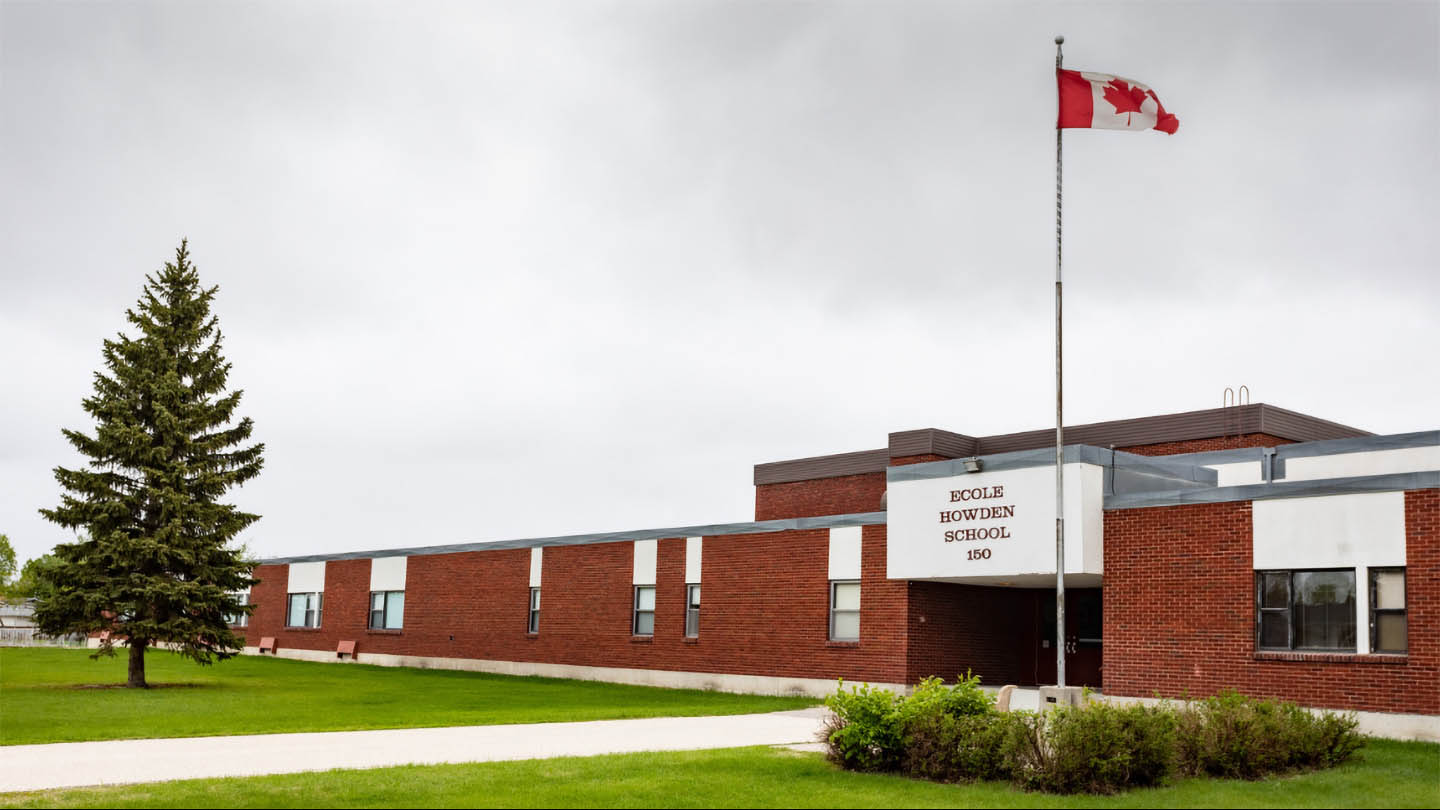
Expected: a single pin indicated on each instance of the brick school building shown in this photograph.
(1249, 547)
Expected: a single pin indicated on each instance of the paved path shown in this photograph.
(56, 765)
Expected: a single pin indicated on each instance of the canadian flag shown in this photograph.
(1101, 101)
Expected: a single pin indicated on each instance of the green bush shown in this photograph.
(864, 732)
(953, 734)
(1233, 736)
(932, 698)
(871, 728)
(1095, 748)
(959, 748)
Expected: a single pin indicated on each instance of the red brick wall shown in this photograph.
(765, 608)
(841, 495)
(1179, 615)
(1206, 445)
(955, 628)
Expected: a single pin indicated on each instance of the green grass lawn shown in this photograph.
(1391, 774)
(42, 698)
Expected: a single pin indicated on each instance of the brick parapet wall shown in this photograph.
(1206, 445)
(840, 495)
(764, 609)
(1179, 615)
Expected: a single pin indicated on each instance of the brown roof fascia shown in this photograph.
(932, 442)
(832, 466)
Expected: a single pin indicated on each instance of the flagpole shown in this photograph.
(1059, 413)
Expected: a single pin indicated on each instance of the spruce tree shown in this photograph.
(154, 562)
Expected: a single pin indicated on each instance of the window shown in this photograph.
(304, 610)
(1388, 630)
(692, 611)
(1305, 610)
(534, 624)
(239, 619)
(644, 611)
(387, 610)
(844, 611)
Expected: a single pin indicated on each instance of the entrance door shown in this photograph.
(1083, 658)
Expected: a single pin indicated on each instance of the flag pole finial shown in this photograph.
(1059, 39)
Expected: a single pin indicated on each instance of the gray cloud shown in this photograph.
(492, 271)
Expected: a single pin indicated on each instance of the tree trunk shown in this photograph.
(137, 664)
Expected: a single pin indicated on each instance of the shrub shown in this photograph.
(871, 729)
(1230, 735)
(1095, 748)
(953, 734)
(932, 698)
(960, 748)
(864, 732)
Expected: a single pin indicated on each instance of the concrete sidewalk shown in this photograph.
(43, 767)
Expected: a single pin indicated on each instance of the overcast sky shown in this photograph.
(495, 270)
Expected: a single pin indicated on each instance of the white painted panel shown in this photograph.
(645, 551)
(307, 577)
(1006, 518)
(1330, 531)
(387, 574)
(537, 556)
(1238, 474)
(1092, 532)
(692, 559)
(845, 552)
(1377, 462)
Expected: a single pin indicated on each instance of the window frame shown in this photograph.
(635, 619)
(532, 623)
(1376, 612)
(692, 609)
(384, 611)
(317, 598)
(1292, 615)
(241, 619)
(834, 589)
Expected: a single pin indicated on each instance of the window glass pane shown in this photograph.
(846, 626)
(692, 622)
(1390, 632)
(1275, 591)
(1275, 629)
(534, 598)
(847, 596)
(1390, 590)
(394, 610)
(645, 598)
(694, 596)
(377, 600)
(645, 624)
(296, 616)
(377, 619)
(1324, 609)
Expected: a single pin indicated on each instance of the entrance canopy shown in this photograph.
(990, 520)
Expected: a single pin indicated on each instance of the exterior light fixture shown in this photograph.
(973, 464)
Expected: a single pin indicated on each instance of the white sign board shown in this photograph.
(994, 525)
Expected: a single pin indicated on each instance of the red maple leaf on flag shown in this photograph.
(1124, 98)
